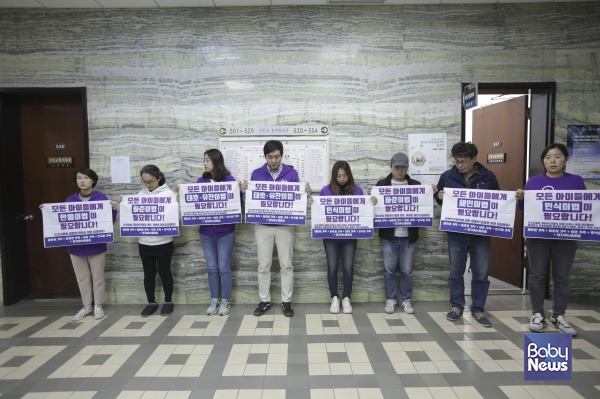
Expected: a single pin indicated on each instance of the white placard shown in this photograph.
(342, 217)
(282, 203)
(210, 203)
(403, 206)
(149, 216)
(562, 214)
(427, 153)
(77, 223)
(119, 169)
(479, 212)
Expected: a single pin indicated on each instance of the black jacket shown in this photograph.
(486, 180)
(388, 233)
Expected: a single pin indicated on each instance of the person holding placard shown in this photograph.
(342, 183)
(398, 245)
(156, 252)
(470, 174)
(540, 251)
(89, 259)
(268, 235)
(217, 240)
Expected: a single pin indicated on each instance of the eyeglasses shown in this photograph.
(461, 163)
(149, 182)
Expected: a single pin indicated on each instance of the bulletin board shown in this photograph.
(308, 155)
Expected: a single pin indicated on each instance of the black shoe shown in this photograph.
(288, 311)
(262, 308)
(167, 309)
(148, 310)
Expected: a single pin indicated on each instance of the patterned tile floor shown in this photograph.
(366, 355)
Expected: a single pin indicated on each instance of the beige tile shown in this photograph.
(340, 368)
(319, 369)
(418, 393)
(369, 393)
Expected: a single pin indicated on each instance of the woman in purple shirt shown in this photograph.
(89, 259)
(217, 240)
(342, 183)
(541, 251)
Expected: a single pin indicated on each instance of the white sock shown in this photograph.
(87, 307)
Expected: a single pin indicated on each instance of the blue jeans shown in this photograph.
(398, 253)
(217, 252)
(332, 250)
(478, 247)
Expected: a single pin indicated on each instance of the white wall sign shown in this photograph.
(308, 155)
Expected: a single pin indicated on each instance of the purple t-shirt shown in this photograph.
(543, 182)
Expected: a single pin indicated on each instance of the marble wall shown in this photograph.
(160, 82)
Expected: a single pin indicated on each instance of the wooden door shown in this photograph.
(49, 122)
(502, 129)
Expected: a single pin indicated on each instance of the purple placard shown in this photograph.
(345, 233)
(479, 212)
(282, 203)
(210, 220)
(149, 216)
(478, 229)
(562, 215)
(154, 231)
(81, 239)
(275, 218)
(403, 206)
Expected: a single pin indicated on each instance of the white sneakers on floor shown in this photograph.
(407, 306)
(335, 305)
(346, 306)
(98, 312)
(82, 313)
(390, 306)
(86, 310)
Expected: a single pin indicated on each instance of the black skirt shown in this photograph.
(157, 250)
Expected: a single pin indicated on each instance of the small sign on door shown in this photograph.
(496, 158)
(60, 162)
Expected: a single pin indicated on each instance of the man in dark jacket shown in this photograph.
(398, 245)
(470, 174)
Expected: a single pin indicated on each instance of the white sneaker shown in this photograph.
(335, 305)
(98, 312)
(82, 313)
(562, 325)
(390, 306)
(537, 323)
(346, 307)
(408, 307)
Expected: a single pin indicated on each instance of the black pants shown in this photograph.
(160, 262)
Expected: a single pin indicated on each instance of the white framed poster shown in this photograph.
(308, 155)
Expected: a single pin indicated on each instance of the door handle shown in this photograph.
(25, 217)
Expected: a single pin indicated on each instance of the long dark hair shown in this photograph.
(219, 171)
(89, 173)
(560, 147)
(153, 170)
(336, 189)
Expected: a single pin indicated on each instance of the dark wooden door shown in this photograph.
(505, 123)
(47, 121)
(15, 277)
